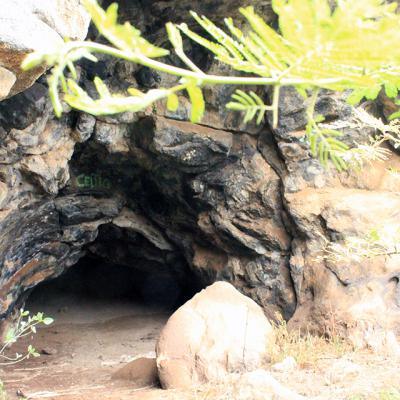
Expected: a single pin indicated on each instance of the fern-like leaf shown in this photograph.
(124, 37)
(250, 103)
(325, 146)
(197, 100)
(111, 104)
(315, 44)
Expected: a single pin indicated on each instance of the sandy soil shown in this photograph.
(353, 376)
(87, 343)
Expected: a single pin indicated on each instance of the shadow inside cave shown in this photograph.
(95, 286)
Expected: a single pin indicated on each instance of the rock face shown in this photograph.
(30, 25)
(346, 294)
(217, 332)
(184, 203)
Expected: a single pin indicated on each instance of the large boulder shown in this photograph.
(219, 331)
(29, 25)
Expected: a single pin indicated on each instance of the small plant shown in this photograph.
(25, 325)
(383, 241)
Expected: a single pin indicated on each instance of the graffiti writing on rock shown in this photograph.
(93, 181)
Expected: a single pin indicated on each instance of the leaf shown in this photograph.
(135, 92)
(172, 102)
(336, 50)
(251, 104)
(113, 104)
(394, 116)
(125, 37)
(219, 50)
(33, 60)
(10, 336)
(48, 321)
(337, 45)
(319, 118)
(391, 90)
(338, 162)
(174, 36)
(197, 100)
(38, 316)
(101, 88)
(325, 146)
(374, 235)
(32, 352)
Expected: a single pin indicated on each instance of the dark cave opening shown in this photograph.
(106, 314)
(95, 283)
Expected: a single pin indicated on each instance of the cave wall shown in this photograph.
(219, 200)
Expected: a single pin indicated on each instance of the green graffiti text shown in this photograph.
(93, 181)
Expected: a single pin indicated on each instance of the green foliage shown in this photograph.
(197, 99)
(325, 145)
(110, 104)
(25, 325)
(250, 103)
(323, 142)
(124, 37)
(351, 46)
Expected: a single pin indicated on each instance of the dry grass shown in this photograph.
(306, 349)
(389, 394)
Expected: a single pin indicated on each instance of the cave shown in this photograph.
(120, 272)
(94, 283)
(106, 312)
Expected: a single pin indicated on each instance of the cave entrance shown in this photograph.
(105, 315)
(123, 307)
(95, 282)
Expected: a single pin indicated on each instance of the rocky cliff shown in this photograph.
(216, 201)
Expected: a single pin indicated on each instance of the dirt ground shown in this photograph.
(91, 339)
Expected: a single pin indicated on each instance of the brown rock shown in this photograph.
(350, 294)
(141, 372)
(217, 332)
